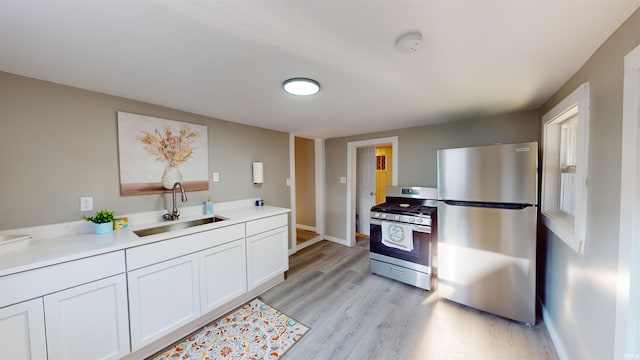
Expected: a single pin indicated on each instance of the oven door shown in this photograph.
(421, 253)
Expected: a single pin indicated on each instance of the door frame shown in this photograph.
(628, 292)
(352, 163)
(319, 196)
(360, 195)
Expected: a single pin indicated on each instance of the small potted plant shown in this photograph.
(102, 221)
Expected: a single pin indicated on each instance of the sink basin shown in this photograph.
(13, 242)
(176, 226)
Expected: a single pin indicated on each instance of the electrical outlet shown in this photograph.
(216, 177)
(86, 203)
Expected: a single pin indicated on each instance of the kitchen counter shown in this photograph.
(70, 245)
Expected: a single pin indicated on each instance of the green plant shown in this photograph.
(101, 217)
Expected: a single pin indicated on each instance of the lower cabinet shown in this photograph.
(162, 297)
(89, 321)
(267, 255)
(223, 274)
(71, 310)
(62, 312)
(22, 329)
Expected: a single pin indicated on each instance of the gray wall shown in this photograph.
(417, 149)
(58, 143)
(579, 292)
(305, 181)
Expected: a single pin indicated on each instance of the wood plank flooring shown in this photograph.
(354, 314)
(304, 235)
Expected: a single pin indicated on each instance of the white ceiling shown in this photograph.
(228, 59)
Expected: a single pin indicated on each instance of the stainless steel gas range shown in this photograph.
(403, 235)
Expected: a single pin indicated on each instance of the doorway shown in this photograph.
(353, 219)
(307, 199)
(374, 173)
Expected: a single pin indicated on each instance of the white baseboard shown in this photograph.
(553, 333)
(306, 227)
(337, 240)
(309, 242)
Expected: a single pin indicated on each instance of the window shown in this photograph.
(565, 147)
(568, 135)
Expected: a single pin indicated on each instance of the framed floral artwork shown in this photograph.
(156, 153)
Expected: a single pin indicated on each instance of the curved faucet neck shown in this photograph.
(175, 212)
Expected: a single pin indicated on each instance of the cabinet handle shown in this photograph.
(396, 270)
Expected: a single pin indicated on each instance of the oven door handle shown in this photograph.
(418, 228)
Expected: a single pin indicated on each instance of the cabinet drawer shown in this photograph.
(145, 255)
(18, 287)
(266, 224)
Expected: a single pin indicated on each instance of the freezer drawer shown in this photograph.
(487, 259)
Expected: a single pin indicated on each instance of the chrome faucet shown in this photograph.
(175, 212)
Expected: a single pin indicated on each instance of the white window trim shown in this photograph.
(573, 234)
(627, 334)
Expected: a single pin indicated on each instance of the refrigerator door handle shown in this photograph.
(505, 206)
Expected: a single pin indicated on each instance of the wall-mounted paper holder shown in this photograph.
(258, 172)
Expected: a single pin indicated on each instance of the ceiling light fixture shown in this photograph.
(301, 86)
(409, 43)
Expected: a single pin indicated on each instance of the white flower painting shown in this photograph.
(150, 146)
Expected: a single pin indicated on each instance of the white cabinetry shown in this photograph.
(103, 307)
(22, 334)
(267, 249)
(83, 301)
(163, 297)
(165, 280)
(223, 274)
(88, 321)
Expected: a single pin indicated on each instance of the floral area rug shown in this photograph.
(253, 331)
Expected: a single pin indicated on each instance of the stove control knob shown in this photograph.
(411, 220)
(418, 221)
(383, 216)
(397, 217)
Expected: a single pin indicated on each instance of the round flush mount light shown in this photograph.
(301, 86)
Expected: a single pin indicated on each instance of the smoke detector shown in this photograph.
(409, 43)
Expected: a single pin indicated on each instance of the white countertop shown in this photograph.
(69, 245)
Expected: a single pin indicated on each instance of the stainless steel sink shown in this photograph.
(176, 226)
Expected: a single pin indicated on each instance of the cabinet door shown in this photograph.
(22, 331)
(223, 274)
(88, 321)
(162, 297)
(267, 256)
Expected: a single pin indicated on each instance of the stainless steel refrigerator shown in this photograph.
(487, 215)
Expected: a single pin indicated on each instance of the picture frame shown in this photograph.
(154, 153)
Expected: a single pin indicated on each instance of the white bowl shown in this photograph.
(10, 242)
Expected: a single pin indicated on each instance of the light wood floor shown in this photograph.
(304, 235)
(354, 314)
